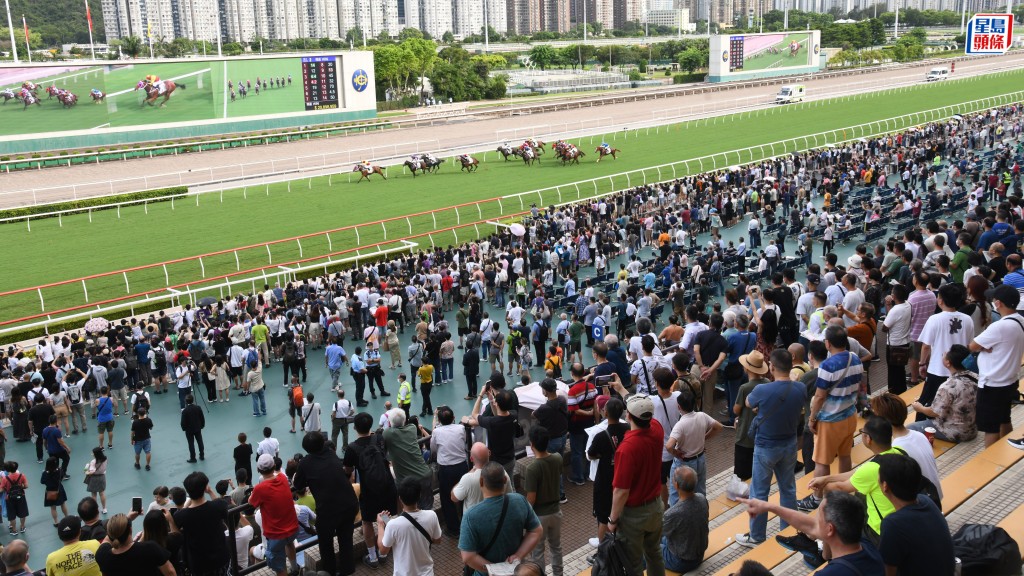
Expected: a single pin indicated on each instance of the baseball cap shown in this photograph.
(1006, 294)
(640, 406)
(265, 463)
(69, 527)
(814, 278)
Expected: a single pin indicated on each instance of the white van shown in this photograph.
(787, 94)
(936, 74)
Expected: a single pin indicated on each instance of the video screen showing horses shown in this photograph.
(48, 99)
(272, 85)
(770, 51)
(155, 93)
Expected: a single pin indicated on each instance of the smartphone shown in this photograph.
(602, 380)
(385, 517)
(137, 504)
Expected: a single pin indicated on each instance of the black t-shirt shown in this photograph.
(39, 415)
(243, 457)
(916, 540)
(603, 449)
(141, 429)
(553, 415)
(712, 344)
(97, 531)
(142, 559)
(500, 437)
(203, 527)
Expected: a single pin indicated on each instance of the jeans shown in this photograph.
(578, 457)
(732, 391)
(194, 438)
(557, 446)
(259, 402)
(552, 524)
(778, 458)
(640, 528)
(447, 369)
(677, 564)
(698, 465)
(485, 349)
(335, 376)
(182, 392)
(921, 425)
(499, 297)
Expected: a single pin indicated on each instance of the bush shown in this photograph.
(635, 76)
(687, 78)
(158, 195)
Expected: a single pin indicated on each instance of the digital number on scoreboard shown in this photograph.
(320, 82)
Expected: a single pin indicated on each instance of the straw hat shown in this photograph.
(754, 362)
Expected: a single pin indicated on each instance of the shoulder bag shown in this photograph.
(466, 570)
(417, 526)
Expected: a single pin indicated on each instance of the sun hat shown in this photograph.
(754, 362)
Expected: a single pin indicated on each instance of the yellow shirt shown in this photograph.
(78, 559)
(426, 373)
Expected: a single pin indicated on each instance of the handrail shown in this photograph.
(953, 109)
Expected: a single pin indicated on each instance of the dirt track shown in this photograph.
(456, 132)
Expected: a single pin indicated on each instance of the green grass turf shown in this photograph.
(272, 100)
(764, 60)
(51, 115)
(265, 213)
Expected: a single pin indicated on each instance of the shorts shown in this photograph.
(666, 467)
(834, 439)
(602, 505)
(915, 351)
(119, 394)
(463, 331)
(105, 426)
(993, 407)
(143, 446)
(292, 410)
(492, 354)
(275, 552)
(276, 341)
(576, 347)
(371, 504)
(17, 508)
(236, 371)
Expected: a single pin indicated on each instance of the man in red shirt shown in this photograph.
(636, 498)
(380, 317)
(273, 498)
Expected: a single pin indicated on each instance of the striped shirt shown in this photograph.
(842, 390)
(922, 305)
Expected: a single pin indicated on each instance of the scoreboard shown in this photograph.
(320, 82)
(736, 53)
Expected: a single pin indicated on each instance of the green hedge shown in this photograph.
(158, 195)
(687, 78)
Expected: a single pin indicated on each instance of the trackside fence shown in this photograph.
(220, 273)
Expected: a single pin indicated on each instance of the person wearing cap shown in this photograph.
(75, 557)
(999, 348)
(637, 508)
(756, 368)
(273, 498)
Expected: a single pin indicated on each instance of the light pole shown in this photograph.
(10, 28)
(487, 39)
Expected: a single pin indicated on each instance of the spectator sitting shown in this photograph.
(952, 412)
(911, 442)
(685, 533)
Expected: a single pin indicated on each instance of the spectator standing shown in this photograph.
(335, 359)
(272, 497)
(756, 369)
(310, 415)
(941, 331)
(468, 491)
(637, 508)
(105, 410)
(500, 427)
(192, 423)
(365, 456)
(602, 449)
(541, 484)
(323, 474)
(54, 494)
(833, 416)
(341, 417)
(401, 440)
(96, 476)
(686, 441)
(409, 534)
(1000, 348)
(502, 527)
(580, 403)
(56, 447)
(685, 531)
(553, 415)
(897, 345)
(256, 388)
(448, 445)
(779, 405)
(922, 305)
(203, 522)
(471, 370)
(39, 419)
(75, 557)
(709, 352)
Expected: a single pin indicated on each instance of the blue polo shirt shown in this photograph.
(335, 356)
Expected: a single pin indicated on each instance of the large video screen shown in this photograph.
(764, 54)
(46, 99)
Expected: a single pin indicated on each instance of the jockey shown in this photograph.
(429, 158)
(607, 147)
(366, 166)
(29, 86)
(156, 82)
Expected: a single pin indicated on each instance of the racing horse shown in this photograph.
(536, 145)
(52, 91)
(98, 95)
(469, 164)
(8, 94)
(602, 152)
(506, 150)
(424, 164)
(529, 155)
(29, 98)
(367, 171)
(794, 48)
(570, 154)
(67, 99)
(152, 93)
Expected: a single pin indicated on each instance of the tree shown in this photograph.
(691, 60)
(448, 37)
(177, 48)
(131, 46)
(330, 44)
(384, 37)
(543, 55)
(576, 54)
(354, 36)
(409, 33)
(232, 49)
(424, 56)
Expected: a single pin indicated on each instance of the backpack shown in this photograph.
(297, 396)
(15, 491)
(252, 359)
(611, 559)
(131, 360)
(75, 392)
(563, 334)
(373, 467)
(159, 358)
(986, 550)
(289, 353)
(140, 402)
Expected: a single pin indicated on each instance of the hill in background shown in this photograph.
(56, 21)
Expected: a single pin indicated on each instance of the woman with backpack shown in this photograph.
(13, 486)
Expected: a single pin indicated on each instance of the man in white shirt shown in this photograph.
(448, 442)
(409, 534)
(269, 444)
(341, 417)
(805, 304)
(897, 329)
(852, 300)
(1000, 348)
(941, 331)
(468, 489)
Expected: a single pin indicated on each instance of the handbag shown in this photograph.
(896, 355)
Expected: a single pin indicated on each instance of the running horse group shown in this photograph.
(27, 95)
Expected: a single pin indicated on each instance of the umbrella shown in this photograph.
(958, 118)
(208, 301)
(517, 229)
(97, 325)
(769, 178)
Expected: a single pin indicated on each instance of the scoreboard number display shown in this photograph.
(736, 53)
(320, 82)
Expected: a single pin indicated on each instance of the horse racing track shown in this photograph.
(440, 209)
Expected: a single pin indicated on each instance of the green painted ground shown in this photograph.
(257, 215)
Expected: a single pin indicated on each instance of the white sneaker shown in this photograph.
(594, 542)
(745, 540)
